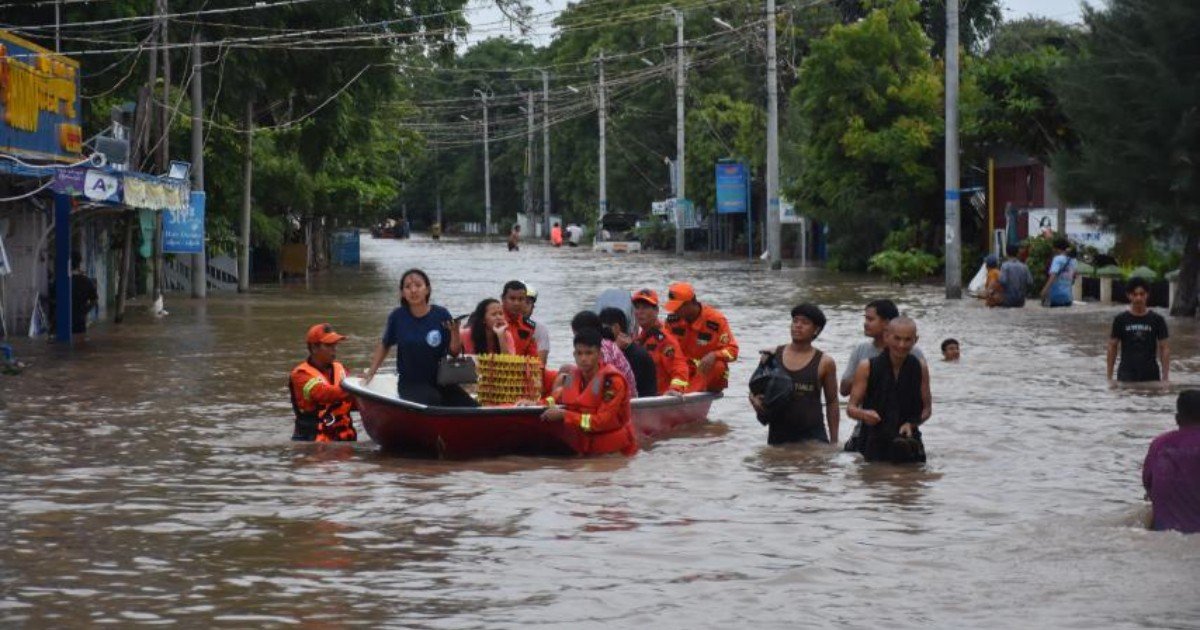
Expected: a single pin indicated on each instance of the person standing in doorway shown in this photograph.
(83, 295)
(813, 374)
(1139, 335)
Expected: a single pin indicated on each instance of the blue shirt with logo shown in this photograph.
(420, 343)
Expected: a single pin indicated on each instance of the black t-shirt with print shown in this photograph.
(1139, 336)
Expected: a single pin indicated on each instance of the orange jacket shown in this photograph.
(322, 407)
(671, 367)
(599, 410)
(556, 236)
(710, 332)
(521, 329)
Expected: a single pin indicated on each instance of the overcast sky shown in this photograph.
(487, 21)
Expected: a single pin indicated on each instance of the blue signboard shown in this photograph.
(183, 230)
(39, 108)
(732, 188)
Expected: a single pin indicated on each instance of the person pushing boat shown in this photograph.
(321, 406)
(705, 337)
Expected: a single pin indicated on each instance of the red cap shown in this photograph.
(678, 294)
(648, 296)
(323, 333)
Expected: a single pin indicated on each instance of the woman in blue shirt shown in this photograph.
(1061, 277)
(423, 334)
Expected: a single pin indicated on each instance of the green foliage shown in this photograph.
(868, 119)
(977, 19)
(904, 267)
(1041, 252)
(1132, 97)
(657, 234)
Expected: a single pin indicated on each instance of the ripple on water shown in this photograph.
(177, 496)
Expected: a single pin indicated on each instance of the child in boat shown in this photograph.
(593, 400)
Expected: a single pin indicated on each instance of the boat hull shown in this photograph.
(463, 433)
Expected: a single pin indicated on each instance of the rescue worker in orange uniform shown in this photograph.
(512, 299)
(322, 407)
(671, 367)
(594, 402)
(704, 335)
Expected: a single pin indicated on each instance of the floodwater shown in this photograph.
(149, 478)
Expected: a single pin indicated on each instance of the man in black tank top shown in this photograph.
(798, 417)
(891, 397)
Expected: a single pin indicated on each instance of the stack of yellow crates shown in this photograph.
(506, 378)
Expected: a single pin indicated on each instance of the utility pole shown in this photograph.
(680, 129)
(529, 158)
(774, 242)
(163, 155)
(953, 242)
(247, 182)
(546, 151)
(164, 144)
(57, 25)
(200, 260)
(603, 170)
(487, 169)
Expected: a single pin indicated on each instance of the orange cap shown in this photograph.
(678, 294)
(648, 296)
(323, 333)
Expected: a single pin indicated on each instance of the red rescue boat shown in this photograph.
(403, 426)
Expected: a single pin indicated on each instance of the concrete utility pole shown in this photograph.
(529, 158)
(247, 182)
(774, 242)
(164, 145)
(603, 162)
(546, 151)
(487, 169)
(57, 25)
(953, 242)
(199, 261)
(680, 129)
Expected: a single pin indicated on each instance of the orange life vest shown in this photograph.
(322, 408)
(599, 412)
(521, 329)
(671, 367)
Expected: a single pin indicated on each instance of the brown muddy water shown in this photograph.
(148, 477)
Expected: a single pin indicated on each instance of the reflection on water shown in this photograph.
(149, 477)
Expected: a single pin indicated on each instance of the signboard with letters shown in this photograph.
(183, 230)
(788, 213)
(732, 188)
(39, 102)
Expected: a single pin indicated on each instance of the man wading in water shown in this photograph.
(890, 396)
(812, 372)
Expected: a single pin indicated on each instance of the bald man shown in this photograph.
(890, 396)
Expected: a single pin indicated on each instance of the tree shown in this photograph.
(1132, 96)
(977, 19)
(867, 113)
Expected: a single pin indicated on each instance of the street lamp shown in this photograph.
(723, 24)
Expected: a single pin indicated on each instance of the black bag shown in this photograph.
(773, 383)
(457, 371)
